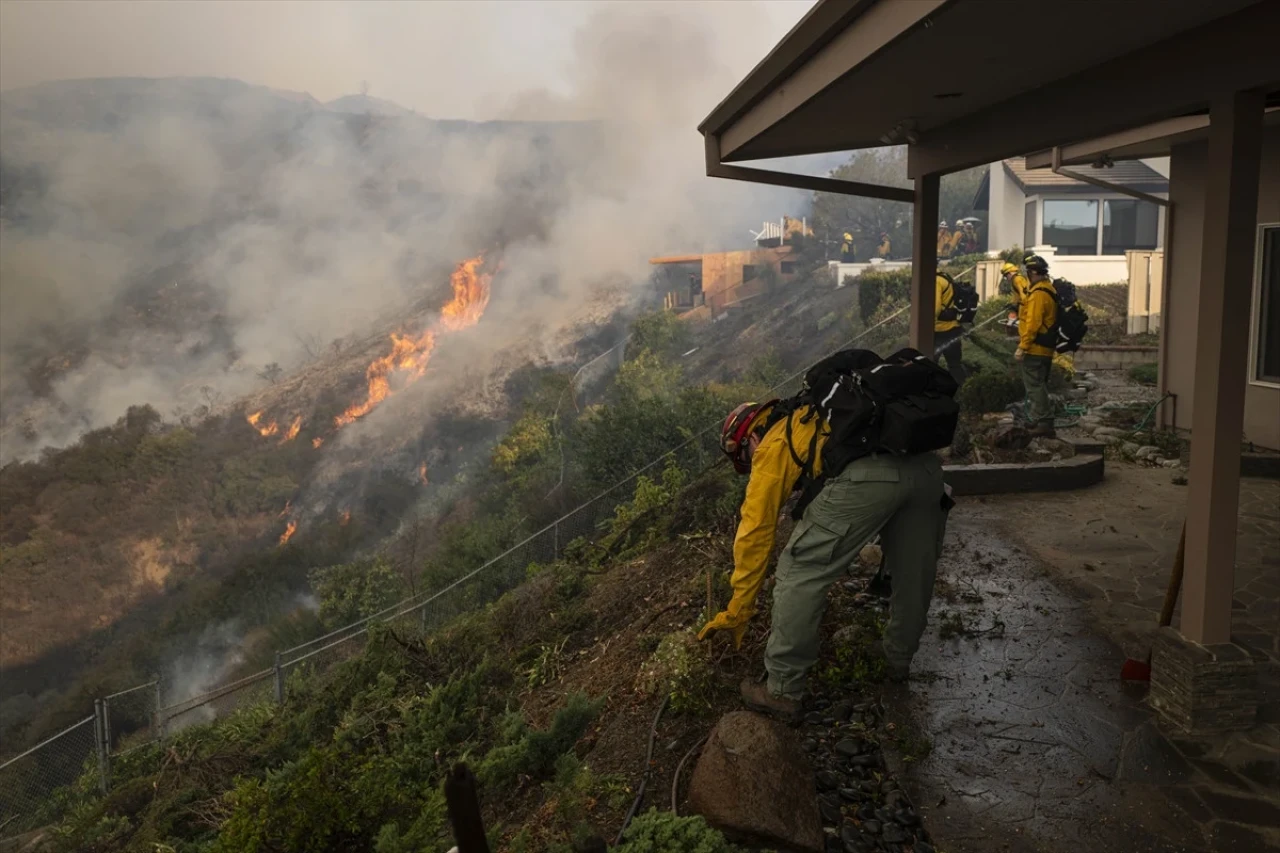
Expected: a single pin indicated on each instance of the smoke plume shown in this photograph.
(167, 240)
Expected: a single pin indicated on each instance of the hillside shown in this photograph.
(168, 240)
(588, 646)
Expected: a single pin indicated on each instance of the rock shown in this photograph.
(866, 811)
(850, 795)
(894, 834)
(845, 636)
(923, 847)
(852, 839)
(829, 807)
(1104, 430)
(848, 748)
(871, 556)
(1147, 451)
(1109, 439)
(907, 817)
(813, 718)
(810, 745)
(871, 827)
(754, 783)
(1171, 463)
(835, 845)
(893, 799)
(842, 711)
(828, 780)
(1011, 438)
(1128, 448)
(864, 761)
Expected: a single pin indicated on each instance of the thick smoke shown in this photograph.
(165, 240)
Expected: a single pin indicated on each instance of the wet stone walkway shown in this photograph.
(1036, 743)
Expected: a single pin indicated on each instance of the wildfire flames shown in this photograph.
(265, 429)
(293, 430)
(316, 442)
(422, 473)
(409, 354)
(344, 518)
(288, 505)
(289, 530)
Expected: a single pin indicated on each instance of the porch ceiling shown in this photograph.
(853, 71)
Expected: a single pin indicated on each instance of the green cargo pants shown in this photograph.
(895, 496)
(1035, 378)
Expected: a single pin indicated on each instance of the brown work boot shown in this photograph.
(757, 697)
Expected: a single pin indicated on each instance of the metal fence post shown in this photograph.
(106, 722)
(100, 738)
(279, 681)
(555, 541)
(157, 722)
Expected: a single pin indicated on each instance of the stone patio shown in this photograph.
(1037, 744)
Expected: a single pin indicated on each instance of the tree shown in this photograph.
(868, 218)
(271, 372)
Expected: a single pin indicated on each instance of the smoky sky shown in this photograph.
(301, 226)
(444, 59)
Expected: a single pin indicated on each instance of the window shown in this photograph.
(1029, 226)
(1072, 226)
(787, 267)
(1267, 300)
(1128, 224)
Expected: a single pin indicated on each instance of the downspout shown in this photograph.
(1165, 302)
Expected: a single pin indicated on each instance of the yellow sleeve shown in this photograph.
(773, 474)
(1036, 312)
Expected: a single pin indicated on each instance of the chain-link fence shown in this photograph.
(138, 716)
(28, 780)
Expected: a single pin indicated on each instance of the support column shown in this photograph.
(1222, 349)
(924, 262)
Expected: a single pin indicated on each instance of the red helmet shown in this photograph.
(735, 435)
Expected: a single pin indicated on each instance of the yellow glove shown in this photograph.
(725, 621)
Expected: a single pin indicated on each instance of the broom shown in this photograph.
(1137, 670)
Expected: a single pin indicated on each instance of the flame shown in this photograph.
(409, 354)
(293, 430)
(344, 517)
(289, 530)
(316, 442)
(470, 295)
(288, 505)
(266, 430)
(422, 473)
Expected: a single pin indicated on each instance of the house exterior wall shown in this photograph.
(1178, 343)
(1004, 208)
(722, 283)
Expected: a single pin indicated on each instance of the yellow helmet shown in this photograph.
(1008, 268)
(848, 236)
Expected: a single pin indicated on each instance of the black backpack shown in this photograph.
(904, 405)
(965, 300)
(1072, 322)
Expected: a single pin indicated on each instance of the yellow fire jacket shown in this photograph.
(774, 474)
(1036, 314)
(1020, 288)
(945, 298)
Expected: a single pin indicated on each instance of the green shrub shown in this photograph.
(663, 832)
(679, 670)
(353, 591)
(875, 287)
(989, 391)
(527, 753)
(1144, 374)
(661, 332)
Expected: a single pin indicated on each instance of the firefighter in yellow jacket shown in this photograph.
(1037, 333)
(947, 334)
(895, 496)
